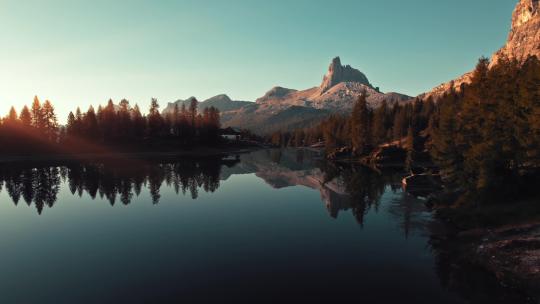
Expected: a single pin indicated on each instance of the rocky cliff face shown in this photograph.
(338, 74)
(524, 37)
(523, 41)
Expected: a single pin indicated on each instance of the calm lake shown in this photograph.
(268, 226)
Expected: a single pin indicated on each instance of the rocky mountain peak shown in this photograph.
(338, 73)
(525, 11)
(275, 93)
(524, 37)
(220, 98)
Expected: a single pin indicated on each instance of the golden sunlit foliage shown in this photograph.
(37, 129)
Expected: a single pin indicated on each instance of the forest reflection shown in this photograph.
(364, 187)
(343, 188)
(115, 181)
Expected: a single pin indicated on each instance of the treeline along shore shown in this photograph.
(114, 129)
(481, 141)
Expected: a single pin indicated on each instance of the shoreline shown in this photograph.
(500, 241)
(509, 250)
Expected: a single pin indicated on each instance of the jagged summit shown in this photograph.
(338, 73)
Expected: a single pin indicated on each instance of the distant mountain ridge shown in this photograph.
(221, 102)
(286, 109)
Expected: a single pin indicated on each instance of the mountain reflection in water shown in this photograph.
(352, 188)
(398, 233)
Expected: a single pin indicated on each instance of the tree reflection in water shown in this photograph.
(343, 187)
(40, 184)
(363, 185)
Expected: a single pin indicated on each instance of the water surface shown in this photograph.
(267, 226)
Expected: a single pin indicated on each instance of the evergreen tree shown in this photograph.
(176, 120)
(400, 119)
(78, 124)
(380, 123)
(109, 122)
(193, 111)
(444, 149)
(37, 115)
(155, 121)
(360, 127)
(12, 118)
(90, 124)
(125, 127)
(26, 117)
(139, 123)
(50, 122)
(71, 126)
(411, 148)
(184, 125)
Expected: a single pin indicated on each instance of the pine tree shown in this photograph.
(71, 126)
(139, 123)
(411, 148)
(360, 127)
(528, 113)
(400, 119)
(444, 149)
(12, 117)
(26, 117)
(37, 115)
(90, 124)
(380, 123)
(155, 121)
(109, 122)
(78, 123)
(184, 125)
(50, 122)
(193, 111)
(124, 116)
(176, 120)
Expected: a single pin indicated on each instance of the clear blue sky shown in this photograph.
(84, 52)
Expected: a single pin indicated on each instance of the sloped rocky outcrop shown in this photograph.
(523, 41)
